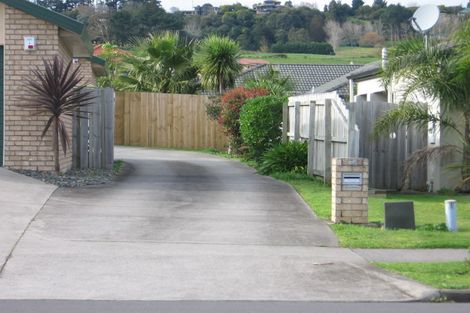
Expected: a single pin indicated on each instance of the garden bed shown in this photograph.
(76, 178)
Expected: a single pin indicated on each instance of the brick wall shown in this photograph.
(349, 202)
(24, 147)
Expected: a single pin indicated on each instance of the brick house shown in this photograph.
(30, 33)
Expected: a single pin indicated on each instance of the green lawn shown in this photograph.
(429, 209)
(344, 55)
(451, 275)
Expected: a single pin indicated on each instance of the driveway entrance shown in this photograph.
(188, 226)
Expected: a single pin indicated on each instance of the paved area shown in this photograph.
(21, 198)
(47, 306)
(189, 226)
(414, 255)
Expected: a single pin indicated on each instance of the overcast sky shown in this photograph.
(188, 4)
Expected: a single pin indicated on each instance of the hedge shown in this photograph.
(303, 47)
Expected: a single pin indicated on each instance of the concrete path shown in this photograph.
(414, 255)
(189, 226)
(21, 198)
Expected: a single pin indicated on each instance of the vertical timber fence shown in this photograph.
(166, 121)
(93, 136)
(334, 128)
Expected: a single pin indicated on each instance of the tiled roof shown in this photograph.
(304, 77)
(340, 84)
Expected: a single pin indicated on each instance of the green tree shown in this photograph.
(160, 63)
(217, 60)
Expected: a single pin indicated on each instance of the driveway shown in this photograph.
(189, 226)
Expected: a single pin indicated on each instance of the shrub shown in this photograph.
(260, 124)
(229, 115)
(286, 157)
(303, 47)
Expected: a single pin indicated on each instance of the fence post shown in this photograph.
(83, 136)
(285, 122)
(327, 156)
(108, 136)
(311, 139)
(297, 122)
(353, 133)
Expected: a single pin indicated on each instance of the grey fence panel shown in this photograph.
(336, 129)
(93, 137)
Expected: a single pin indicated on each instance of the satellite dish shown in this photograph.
(425, 18)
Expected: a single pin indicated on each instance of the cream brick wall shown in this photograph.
(24, 147)
(349, 203)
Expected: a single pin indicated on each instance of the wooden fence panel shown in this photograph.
(93, 132)
(166, 121)
(336, 129)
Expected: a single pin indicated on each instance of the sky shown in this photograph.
(188, 4)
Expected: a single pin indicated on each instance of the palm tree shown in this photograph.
(160, 63)
(217, 59)
(58, 92)
(440, 72)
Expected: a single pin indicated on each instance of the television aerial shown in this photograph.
(424, 19)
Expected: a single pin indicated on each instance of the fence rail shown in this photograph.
(334, 128)
(165, 121)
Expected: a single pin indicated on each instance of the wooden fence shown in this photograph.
(93, 137)
(165, 121)
(337, 129)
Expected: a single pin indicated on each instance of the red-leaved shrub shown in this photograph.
(230, 104)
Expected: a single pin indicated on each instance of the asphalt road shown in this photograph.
(189, 226)
(48, 306)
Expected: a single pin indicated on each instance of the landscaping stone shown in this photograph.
(72, 178)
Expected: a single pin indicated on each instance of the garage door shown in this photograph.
(1, 106)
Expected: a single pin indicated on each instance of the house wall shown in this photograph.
(367, 88)
(24, 147)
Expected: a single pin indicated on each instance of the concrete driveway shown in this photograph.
(189, 226)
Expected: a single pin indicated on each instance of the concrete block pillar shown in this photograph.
(350, 189)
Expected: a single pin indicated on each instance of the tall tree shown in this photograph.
(217, 60)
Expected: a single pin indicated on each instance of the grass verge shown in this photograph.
(344, 55)
(429, 212)
(449, 275)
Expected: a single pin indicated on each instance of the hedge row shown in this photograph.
(303, 47)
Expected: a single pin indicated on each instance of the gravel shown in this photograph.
(72, 178)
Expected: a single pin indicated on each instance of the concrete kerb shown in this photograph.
(456, 295)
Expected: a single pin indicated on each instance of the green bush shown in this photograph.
(260, 124)
(303, 47)
(286, 157)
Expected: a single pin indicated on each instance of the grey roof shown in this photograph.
(303, 76)
(366, 70)
(340, 84)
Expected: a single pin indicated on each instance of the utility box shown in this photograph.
(350, 190)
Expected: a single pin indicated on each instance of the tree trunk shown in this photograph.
(55, 145)
(221, 84)
(466, 148)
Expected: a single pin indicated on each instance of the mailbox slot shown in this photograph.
(352, 179)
